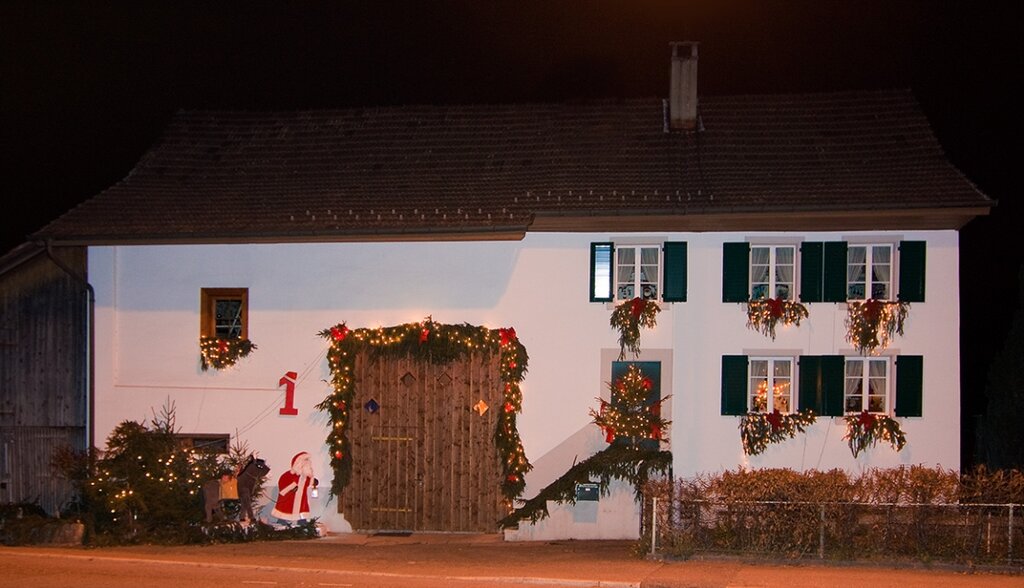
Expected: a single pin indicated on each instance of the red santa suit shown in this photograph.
(293, 486)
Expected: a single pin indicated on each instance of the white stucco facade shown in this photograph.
(147, 330)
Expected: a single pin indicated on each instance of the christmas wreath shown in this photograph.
(871, 324)
(866, 429)
(759, 429)
(223, 353)
(764, 314)
(439, 344)
(628, 317)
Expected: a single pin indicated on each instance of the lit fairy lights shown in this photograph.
(865, 429)
(438, 343)
(764, 314)
(223, 353)
(628, 415)
(871, 325)
(760, 429)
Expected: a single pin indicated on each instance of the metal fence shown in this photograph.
(962, 533)
(25, 472)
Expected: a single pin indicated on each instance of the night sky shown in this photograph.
(86, 87)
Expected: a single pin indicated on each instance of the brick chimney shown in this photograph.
(682, 100)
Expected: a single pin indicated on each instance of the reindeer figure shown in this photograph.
(251, 473)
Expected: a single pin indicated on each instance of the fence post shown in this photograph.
(1009, 537)
(821, 534)
(654, 523)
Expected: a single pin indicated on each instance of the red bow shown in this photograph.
(867, 420)
(507, 336)
(775, 307)
(424, 334)
(222, 346)
(775, 419)
(655, 431)
(338, 334)
(609, 435)
(637, 307)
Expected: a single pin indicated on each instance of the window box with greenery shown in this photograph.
(829, 386)
(763, 278)
(760, 391)
(223, 327)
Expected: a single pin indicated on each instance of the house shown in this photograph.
(294, 247)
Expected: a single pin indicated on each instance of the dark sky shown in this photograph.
(87, 86)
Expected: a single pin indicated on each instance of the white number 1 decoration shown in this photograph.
(288, 381)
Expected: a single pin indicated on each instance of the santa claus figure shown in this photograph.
(293, 488)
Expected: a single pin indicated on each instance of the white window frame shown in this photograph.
(769, 381)
(865, 379)
(772, 270)
(637, 284)
(869, 265)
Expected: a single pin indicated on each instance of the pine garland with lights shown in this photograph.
(871, 325)
(223, 353)
(866, 429)
(628, 416)
(628, 317)
(440, 344)
(619, 462)
(764, 314)
(759, 429)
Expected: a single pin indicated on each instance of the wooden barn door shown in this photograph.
(423, 455)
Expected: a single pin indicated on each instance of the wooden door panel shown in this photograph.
(425, 461)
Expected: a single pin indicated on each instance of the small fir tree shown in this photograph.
(630, 416)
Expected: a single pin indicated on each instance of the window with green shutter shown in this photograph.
(735, 272)
(912, 261)
(601, 272)
(620, 272)
(734, 384)
(821, 384)
(674, 271)
(909, 385)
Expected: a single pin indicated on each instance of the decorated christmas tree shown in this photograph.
(632, 416)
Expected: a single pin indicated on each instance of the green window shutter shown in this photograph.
(674, 272)
(833, 374)
(735, 272)
(821, 384)
(912, 271)
(909, 385)
(810, 271)
(833, 275)
(601, 282)
(734, 384)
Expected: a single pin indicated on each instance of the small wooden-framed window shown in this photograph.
(224, 313)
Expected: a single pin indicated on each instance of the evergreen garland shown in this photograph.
(439, 344)
(871, 324)
(866, 429)
(759, 429)
(621, 462)
(222, 353)
(628, 317)
(764, 314)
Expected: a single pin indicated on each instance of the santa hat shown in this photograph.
(296, 459)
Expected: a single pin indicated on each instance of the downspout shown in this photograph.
(90, 426)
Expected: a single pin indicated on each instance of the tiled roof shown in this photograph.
(422, 171)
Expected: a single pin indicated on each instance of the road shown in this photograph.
(451, 562)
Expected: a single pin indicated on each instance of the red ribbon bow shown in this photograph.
(775, 419)
(867, 420)
(637, 307)
(339, 334)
